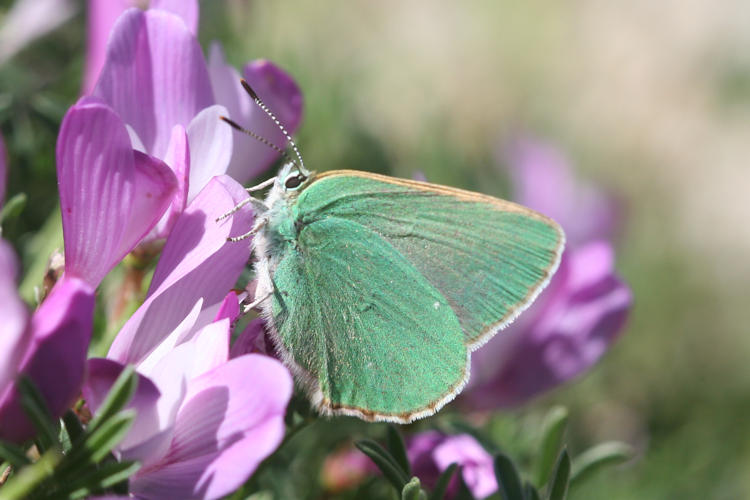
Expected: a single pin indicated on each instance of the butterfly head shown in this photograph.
(292, 177)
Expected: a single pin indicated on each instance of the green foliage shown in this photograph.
(76, 459)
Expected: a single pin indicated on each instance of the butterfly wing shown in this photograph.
(488, 257)
(391, 283)
(366, 331)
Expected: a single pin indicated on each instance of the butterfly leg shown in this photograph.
(257, 227)
(257, 204)
(247, 307)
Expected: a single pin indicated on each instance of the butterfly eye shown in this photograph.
(294, 181)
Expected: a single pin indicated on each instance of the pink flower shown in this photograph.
(49, 347)
(431, 452)
(155, 78)
(204, 422)
(110, 195)
(584, 309)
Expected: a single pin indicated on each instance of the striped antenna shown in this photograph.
(265, 141)
(267, 111)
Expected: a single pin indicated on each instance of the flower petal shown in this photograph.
(55, 358)
(154, 75)
(178, 159)
(100, 18)
(225, 428)
(252, 340)
(197, 262)
(476, 464)
(109, 195)
(229, 308)
(14, 337)
(280, 93)
(572, 326)
(188, 11)
(210, 147)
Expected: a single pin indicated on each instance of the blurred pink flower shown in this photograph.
(583, 310)
(27, 20)
(431, 452)
(49, 347)
(204, 422)
(110, 195)
(155, 78)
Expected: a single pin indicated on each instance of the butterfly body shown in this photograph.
(379, 288)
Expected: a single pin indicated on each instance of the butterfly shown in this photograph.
(375, 290)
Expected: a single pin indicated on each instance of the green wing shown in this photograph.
(367, 332)
(488, 257)
(390, 283)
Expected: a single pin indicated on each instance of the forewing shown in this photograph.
(488, 257)
(370, 335)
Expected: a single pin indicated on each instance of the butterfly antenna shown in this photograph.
(265, 141)
(267, 111)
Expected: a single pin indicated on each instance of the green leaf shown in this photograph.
(385, 462)
(397, 449)
(30, 477)
(119, 396)
(558, 486)
(593, 459)
(100, 442)
(72, 425)
(553, 429)
(413, 490)
(441, 485)
(508, 480)
(530, 492)
(36, 409)
(13, 454)
(13, 207)
(105, 476)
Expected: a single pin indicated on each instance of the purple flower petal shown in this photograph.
(570, 327)
(100, 18)
(210, 147)
(110, 195)
(15, 334)
(544, 181)
(3, 171)
(56, 355)
(145, 437)
(188, 10)
(476, 464)
(229, 308)
(197, 263)
(232, 418)
(154, 76)
(280, 93)
(178, 159)
(251, 340)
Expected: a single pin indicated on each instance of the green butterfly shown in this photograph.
(376, 290)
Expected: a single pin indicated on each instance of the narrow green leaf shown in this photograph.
(553, 429)
(387, 464)
(105, 476)
(441, 485)
(119, 396)
(100, 442)
(413, 490)
(13, 207)
(13, 454)
(397, 448)
(508, 480)
(72, 425)
(35, 407)
(463, 493)
(593, 459)
(27, 479)
(558, 486)
(530, 492)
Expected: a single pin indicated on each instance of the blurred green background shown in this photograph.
(649, 99)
